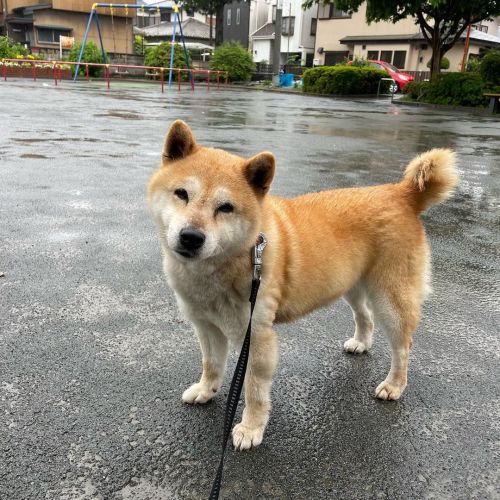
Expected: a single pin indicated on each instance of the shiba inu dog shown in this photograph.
(366, 245)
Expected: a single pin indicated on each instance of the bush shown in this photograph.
(159, 56)
(445, 63)
(456, 89)
(91, 54)
(234, 59)
(343, 80)
(9, 49)
(489, 68)
(139, 45)
(361, 62)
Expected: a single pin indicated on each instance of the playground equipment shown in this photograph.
(112, 9)
(55, 69)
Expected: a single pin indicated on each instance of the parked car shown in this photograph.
(396, 74)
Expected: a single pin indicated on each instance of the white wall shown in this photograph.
(262, 51)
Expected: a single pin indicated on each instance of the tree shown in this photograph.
(210, 8)
(442, 22)
(234, 59)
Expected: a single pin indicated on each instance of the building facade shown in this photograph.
(343, 36)
(298, 28)
(236, 23)
(38, 25)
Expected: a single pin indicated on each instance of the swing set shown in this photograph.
(58, 67)
(112, 7)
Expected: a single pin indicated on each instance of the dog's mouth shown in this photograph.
(185, 253)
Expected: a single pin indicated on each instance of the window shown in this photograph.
(165, 17)
(336, 57)
(314, 25)
(229, 17)
(238, 15)
(51, 35)
(335, 13)
(287, 26)
(372, 55)
(386, 55)
(399, 59)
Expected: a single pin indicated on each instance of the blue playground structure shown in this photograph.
(111, 7)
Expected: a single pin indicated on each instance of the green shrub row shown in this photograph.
(461, 89)
(455, 89)
(343, 80)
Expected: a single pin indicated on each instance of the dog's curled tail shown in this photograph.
(431, 178)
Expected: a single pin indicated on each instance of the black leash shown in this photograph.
(233, 397)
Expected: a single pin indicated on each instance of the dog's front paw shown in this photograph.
(245, 437)
(198, 394)
(389, 391)
(355, 346)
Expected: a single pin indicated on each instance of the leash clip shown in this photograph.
(258, 249)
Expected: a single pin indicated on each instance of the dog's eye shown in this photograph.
(225, 208)
(182, 194)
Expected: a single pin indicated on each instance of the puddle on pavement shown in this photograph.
(125, 115)
(34, 156)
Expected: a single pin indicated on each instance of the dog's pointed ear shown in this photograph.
(179, 143)
(259, 172)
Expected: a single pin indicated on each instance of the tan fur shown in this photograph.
(365, 244)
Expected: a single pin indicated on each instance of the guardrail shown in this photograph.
(156, 71)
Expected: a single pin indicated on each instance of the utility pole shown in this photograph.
(277, 43)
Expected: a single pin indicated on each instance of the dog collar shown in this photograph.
(257, 251)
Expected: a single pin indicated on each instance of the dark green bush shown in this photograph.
(235, 59)
(9, 49)
(445, 63)
(343, 80)
(416, 90)
(160, 56)
(91, 54)
(490, 67)
(457, 89)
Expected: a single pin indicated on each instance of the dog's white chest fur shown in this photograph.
(204, 295)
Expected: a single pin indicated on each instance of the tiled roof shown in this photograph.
(265, 31)
(191, 28)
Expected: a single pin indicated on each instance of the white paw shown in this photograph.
(198, 394)
(245, 437)
(389, 391)
(355, 346)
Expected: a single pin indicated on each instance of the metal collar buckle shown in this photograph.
(257, 251)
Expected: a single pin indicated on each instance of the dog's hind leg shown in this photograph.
(399, 316)
(214, 346)
(363, 317)
(261, 366)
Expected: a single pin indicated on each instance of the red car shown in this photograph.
(396, 74)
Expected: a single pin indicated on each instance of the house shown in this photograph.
(196, 33)
(236, 22)
(150, 14)
(343, 36)
(298, 28)
(38, 24)
(242, 17)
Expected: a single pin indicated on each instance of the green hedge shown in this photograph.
(490, 67)
(456, 89)
(235, 59)
(91, 54)
(344, 80)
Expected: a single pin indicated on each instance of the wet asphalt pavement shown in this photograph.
(94, 356)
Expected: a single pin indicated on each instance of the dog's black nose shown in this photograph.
(191, 238)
